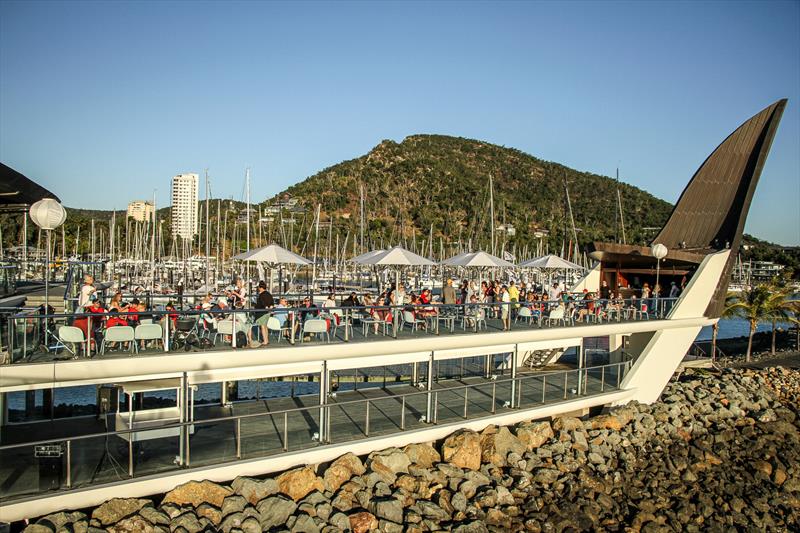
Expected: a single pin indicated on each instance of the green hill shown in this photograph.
(443, 182)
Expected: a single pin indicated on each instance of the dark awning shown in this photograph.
(18, 190)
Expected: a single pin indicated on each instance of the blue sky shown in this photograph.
(104, 102)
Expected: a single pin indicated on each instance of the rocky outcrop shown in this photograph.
(299, 482)
(195, 493)
(463, 449)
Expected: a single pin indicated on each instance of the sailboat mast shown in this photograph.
(247, 211)
(491, 211)
(619, 209)
(208, 236)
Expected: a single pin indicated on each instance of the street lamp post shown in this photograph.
(48, 214)
(659, 252)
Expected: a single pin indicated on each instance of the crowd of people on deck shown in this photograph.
(472, 300)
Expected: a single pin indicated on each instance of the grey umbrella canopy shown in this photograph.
(550, 262)
(273, 254)
(477, 259)
(397, 256)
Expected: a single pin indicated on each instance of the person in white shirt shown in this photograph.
(554, 292)
(87, 289)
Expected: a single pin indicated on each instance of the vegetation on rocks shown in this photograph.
(720, 451)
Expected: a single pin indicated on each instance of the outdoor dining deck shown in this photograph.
(38, 339)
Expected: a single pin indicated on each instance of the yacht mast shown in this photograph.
(491, 211)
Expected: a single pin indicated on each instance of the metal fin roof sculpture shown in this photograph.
(712, 210)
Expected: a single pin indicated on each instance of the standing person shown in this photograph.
(87, 290)
(464, 292)
(605, 290)
(264, 301)
(554, 293)
(505, 310)
(449, 294)
(513, 294)
(646, 297)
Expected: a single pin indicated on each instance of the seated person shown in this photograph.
(351, 301)
(283, 315)
(472, 311)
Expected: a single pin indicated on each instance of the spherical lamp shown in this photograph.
(659, 251)
(48, 214)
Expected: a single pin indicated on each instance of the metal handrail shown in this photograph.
(285, 412)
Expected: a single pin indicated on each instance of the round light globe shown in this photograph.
(659, 251)
(48, 214)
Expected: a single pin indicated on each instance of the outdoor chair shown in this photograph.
(556, 315)
(71, 335)
(474, 321)
(411, 321)
(643, 312)
(339, 320)
(227, 327)
(119, 334)
(273, 324)
(315, 326)
(149, 332)
(524, 314)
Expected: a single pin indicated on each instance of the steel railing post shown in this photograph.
(403, 414)
(602, 378)
(238, 438)
(436, 407)
(166, 333)
(494, 397)
(566, 375)
(69, 464)
(346, 324)
(544, 389)
(286, 431)
(466, 396)
(366, 424)
(130, 451)
(291, 332)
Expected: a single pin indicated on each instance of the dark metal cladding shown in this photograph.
(711, 212)
(17, 192)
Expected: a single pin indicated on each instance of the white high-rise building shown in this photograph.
(184, 205)
(140, 210)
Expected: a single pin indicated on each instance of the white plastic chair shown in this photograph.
(227, 327)
(339, 320)
(119, 334)
(149, 332)
(72, 335)
(411, 321)
(273, 324)
(524, 313)
(556, 315)
(315, 326)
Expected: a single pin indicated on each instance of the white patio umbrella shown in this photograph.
(397, 256)
(477, 259)
(550, 263)
(274, 255)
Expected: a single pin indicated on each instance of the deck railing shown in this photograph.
(101, 458)
(34, 338)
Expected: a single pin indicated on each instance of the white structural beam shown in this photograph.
(212, 366)
(666, 347)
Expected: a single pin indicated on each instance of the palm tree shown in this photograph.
(794, 318)
(729, 311)
(752, 304)
(779, 307)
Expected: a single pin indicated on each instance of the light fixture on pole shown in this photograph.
(659, 251)
(48, 214)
